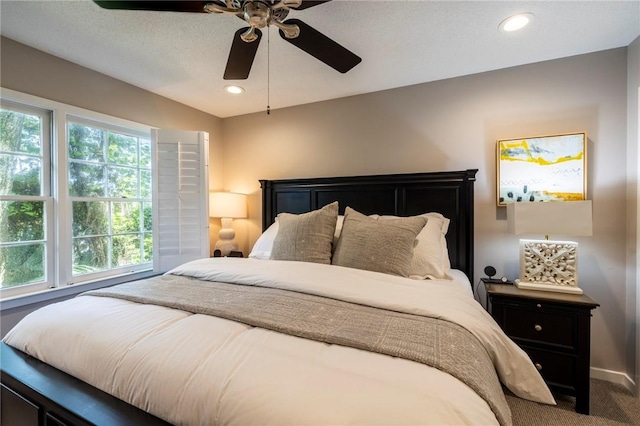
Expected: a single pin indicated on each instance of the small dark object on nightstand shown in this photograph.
(491, 271)
(232, 253)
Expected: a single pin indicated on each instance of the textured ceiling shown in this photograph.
(182, 56)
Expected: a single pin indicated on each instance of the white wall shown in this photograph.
(454, 124)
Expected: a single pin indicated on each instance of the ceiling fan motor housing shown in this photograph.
(260, 14)
(257, 14)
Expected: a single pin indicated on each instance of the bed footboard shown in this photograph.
(34, 393)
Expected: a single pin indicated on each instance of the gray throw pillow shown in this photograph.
(306, 237)
(377, 245)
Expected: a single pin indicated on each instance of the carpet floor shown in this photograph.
(611, 404)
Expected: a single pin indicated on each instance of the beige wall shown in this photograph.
(454, 124)
(36, 73)
(446, 125)
(633, 207)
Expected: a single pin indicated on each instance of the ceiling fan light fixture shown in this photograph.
(516, 22)
(236, 90)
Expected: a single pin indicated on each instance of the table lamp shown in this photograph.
(545, 264)
(227, 206)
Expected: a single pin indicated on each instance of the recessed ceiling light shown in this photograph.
(236, 90)
(516, 22)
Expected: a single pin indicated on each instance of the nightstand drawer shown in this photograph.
(557, 369)
(540, 326)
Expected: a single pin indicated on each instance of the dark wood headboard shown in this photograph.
(448, 193)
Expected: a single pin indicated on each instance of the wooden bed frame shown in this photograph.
(34, 393)
(448, 193)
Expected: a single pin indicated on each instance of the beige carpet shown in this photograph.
(610, 405)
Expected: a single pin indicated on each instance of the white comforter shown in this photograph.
(196, 369)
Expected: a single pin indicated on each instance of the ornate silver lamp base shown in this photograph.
(549, 266)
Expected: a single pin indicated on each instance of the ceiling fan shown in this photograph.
(258, 14)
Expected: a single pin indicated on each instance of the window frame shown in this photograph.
(46, 196)
(58, 209)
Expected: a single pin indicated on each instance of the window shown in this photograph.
(80, 193)
(25, 243)
(103, 199)
(110, 193)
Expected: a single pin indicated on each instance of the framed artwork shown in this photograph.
(542, 168)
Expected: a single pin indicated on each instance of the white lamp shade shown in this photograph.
(227, 205)
(550, 218)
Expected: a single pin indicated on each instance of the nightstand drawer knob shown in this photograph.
(538, 366)
(538, 306)
(537, 327)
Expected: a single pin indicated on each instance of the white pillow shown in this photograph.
(430, 255)
(263, 246)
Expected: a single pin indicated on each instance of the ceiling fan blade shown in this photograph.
(306, 4)
(322, 47)
(161, 6)
(241, 56)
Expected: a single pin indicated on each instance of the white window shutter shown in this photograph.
(180, 197)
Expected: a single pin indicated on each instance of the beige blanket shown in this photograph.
(437, 343)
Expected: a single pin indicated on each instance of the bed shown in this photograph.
(272, 339)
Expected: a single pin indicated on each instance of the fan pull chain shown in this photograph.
(268, 70)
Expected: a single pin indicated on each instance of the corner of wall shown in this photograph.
(633, 210)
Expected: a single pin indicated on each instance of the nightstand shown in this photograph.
(232, 253)
(554, 329)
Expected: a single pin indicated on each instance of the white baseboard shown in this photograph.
(614, 377)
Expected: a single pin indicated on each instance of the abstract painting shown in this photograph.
(544, 168)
